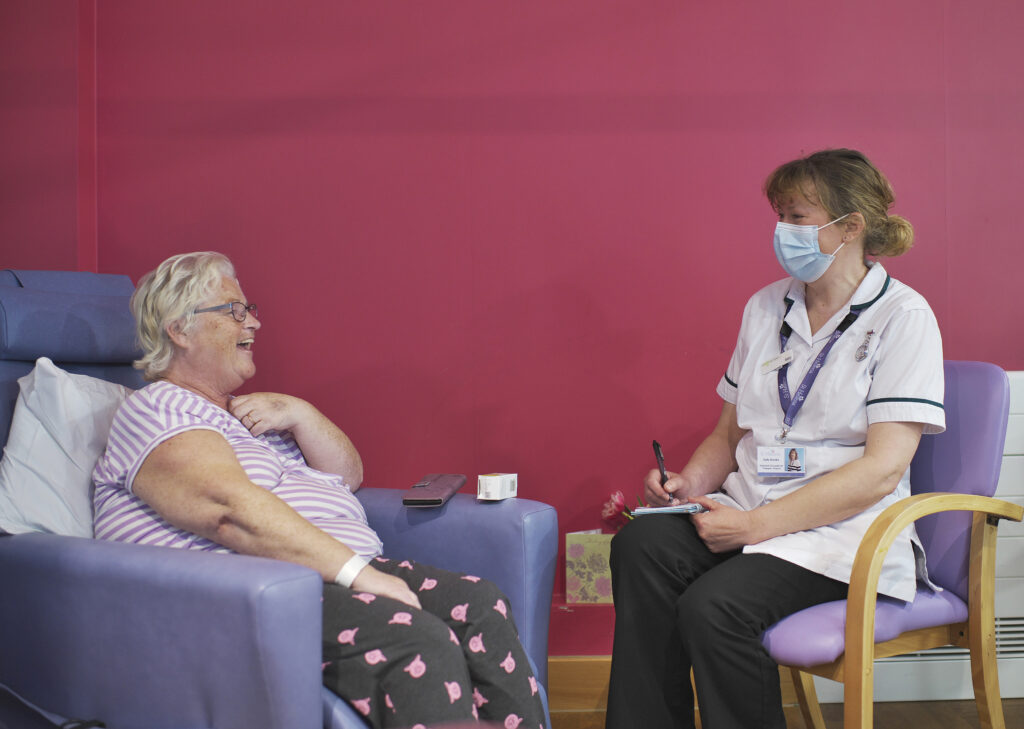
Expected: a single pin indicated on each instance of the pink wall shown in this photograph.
(513, 236)
(38, 134)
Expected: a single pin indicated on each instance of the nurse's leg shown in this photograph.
(721, 619)
(653, 559)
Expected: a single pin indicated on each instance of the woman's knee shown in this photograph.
(628, 545)
(695, 610)
(644, 540)
(428, 635)
(707, 615)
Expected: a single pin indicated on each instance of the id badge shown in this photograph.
(776, 362)
(781, 462)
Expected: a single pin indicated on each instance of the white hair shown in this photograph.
(169, 295)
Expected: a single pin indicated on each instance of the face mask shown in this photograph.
(796, 247)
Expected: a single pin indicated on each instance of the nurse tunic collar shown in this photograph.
(875, 284)
(791, 404)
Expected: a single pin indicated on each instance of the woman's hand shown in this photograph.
(707, 468)
(654, 493)
(379, 583)
(324, 446)
(723, 528)
(263, 411)
(675, 490)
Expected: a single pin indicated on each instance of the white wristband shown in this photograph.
(350, 570)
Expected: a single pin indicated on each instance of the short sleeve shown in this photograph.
(145, 420)
(908, 381)
(728, 385)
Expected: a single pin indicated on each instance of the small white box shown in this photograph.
(495, 486)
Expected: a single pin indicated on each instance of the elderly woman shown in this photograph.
(190, 465)
(838, 363)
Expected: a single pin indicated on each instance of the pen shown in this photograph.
(661, 461)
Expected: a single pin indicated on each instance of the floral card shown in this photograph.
(588, 578)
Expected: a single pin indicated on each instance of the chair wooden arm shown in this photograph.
(867, 567)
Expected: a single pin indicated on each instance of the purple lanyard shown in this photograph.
(791, 405)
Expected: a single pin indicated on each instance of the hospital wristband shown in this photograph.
(350, 570)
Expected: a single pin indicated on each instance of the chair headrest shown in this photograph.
(68, 316)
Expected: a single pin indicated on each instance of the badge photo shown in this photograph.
(781, 462)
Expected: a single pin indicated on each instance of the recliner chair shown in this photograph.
(147, 637)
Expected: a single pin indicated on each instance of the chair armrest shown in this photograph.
(146, 636)
(513, 543)
(867, 565)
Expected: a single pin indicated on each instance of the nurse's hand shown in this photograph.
(673, 492)
(723, 528)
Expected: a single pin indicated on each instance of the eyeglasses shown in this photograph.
(238, 310)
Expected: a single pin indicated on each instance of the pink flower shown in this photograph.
(512, 721)
(405, 563)
(454, 691)
(455, 638)
(374, 657)
(533, 685)
(575, 551)
(613, 506)
(348, 636)
(615, 511)
(471, 578)
(416, 667)
(459, 612)
(366, 597)
(603, 586)
(572, 583)
(387, 702)
(401, 619)
(478, 698)
(500, 607)
(428, 584)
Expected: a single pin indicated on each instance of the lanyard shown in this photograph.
(791, 404)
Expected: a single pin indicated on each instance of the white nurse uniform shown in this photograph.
(886, 366)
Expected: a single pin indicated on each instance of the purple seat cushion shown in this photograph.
(816, 635)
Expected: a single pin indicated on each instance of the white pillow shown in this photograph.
(59, 430)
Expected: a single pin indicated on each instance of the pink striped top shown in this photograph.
(272, 460)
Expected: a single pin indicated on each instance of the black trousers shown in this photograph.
(678, 606)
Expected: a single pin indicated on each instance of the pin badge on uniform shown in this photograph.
(862, 350)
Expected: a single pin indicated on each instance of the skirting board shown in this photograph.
(917, 679)
(580, 683)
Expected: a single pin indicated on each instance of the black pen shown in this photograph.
(661, 461)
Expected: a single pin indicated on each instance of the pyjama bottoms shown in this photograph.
(457, 659)
(679, 606)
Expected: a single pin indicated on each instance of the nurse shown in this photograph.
(840, 362)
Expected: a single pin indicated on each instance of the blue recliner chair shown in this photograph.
(148, 637)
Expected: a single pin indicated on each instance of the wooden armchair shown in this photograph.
(953, 477)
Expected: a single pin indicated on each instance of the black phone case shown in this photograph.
(433, 489)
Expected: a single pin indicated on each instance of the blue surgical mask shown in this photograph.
(796, 247)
